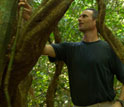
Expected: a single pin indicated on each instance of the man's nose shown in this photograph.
(79, 19)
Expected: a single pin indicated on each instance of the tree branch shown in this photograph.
(34, 40)
(107, 33)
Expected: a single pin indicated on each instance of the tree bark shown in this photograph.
(7, 18)
(24, 87)
(30, 44)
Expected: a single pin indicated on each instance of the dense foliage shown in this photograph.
(68, 26)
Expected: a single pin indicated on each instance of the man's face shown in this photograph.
(86, 21)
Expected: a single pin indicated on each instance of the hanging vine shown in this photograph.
(107, 33)
(13, 49)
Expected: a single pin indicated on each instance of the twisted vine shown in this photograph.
(10, 65)
(107, 33)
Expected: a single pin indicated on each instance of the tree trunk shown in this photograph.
(30, 43)
(7, 18)
(24, 87)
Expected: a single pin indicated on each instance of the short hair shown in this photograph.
(95, 12)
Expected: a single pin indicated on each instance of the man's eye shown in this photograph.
(84, 15)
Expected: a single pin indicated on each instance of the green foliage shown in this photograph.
(40, 82)
(115, 16)
(68, 26)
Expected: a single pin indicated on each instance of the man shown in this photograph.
(91, 64)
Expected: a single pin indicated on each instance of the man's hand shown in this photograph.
(27, 9)
(117, 104)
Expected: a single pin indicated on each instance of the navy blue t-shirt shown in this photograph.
(91, 69)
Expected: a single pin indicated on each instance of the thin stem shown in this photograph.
(7, 78)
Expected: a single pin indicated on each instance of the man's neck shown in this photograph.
(90, 36)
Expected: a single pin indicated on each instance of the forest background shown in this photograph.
(50, 85)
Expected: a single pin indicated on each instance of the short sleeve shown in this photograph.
(60, 51)
(118, 67)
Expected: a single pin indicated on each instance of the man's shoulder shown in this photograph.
(70, 44)
(66, 44)
(104, 43)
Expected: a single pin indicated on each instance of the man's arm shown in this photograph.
(49, 50)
